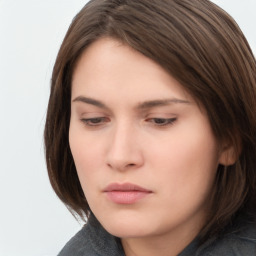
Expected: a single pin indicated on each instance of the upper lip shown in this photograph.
(124, 187)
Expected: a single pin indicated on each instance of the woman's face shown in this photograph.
(145, 153)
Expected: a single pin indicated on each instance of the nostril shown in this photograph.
(130, 165)
(121, 167)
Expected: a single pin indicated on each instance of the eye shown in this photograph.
(161, 121)
(95, 121)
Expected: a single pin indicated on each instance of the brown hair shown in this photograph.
(203, 48)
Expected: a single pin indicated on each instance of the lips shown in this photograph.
(126, 193)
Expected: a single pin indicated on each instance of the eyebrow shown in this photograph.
(90, 101)
(141, 106)
(162, 102)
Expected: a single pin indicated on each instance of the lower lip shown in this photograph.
(126, 197)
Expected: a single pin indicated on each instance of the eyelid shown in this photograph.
(95, 121)
(161, 122)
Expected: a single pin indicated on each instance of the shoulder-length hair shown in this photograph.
(202, 47)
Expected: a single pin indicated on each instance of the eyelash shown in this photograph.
(162, 121)
(95, 121)
(159, 122)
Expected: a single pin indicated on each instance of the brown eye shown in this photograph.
(95, 121)
(162, 121)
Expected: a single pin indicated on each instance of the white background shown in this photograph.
(33, 222)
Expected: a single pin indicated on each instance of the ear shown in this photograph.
(229, 154)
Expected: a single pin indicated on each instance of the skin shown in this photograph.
(133, 122)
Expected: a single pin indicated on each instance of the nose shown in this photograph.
(124, 150)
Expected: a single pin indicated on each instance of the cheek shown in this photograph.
(84, 152)
(87, 168)
(184, 175)
(185, 160)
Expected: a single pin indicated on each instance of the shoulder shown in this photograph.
(239, 242)
(92, 240)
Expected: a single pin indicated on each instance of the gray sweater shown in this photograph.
(94, 240)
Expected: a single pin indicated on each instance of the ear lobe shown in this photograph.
(228, 155)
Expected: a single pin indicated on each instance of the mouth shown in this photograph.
(126, 193)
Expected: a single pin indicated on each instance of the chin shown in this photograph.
(127, 232)
(125, 227)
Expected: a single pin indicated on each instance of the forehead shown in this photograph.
(109, 68)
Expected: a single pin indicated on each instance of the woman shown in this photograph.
(151, 130)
